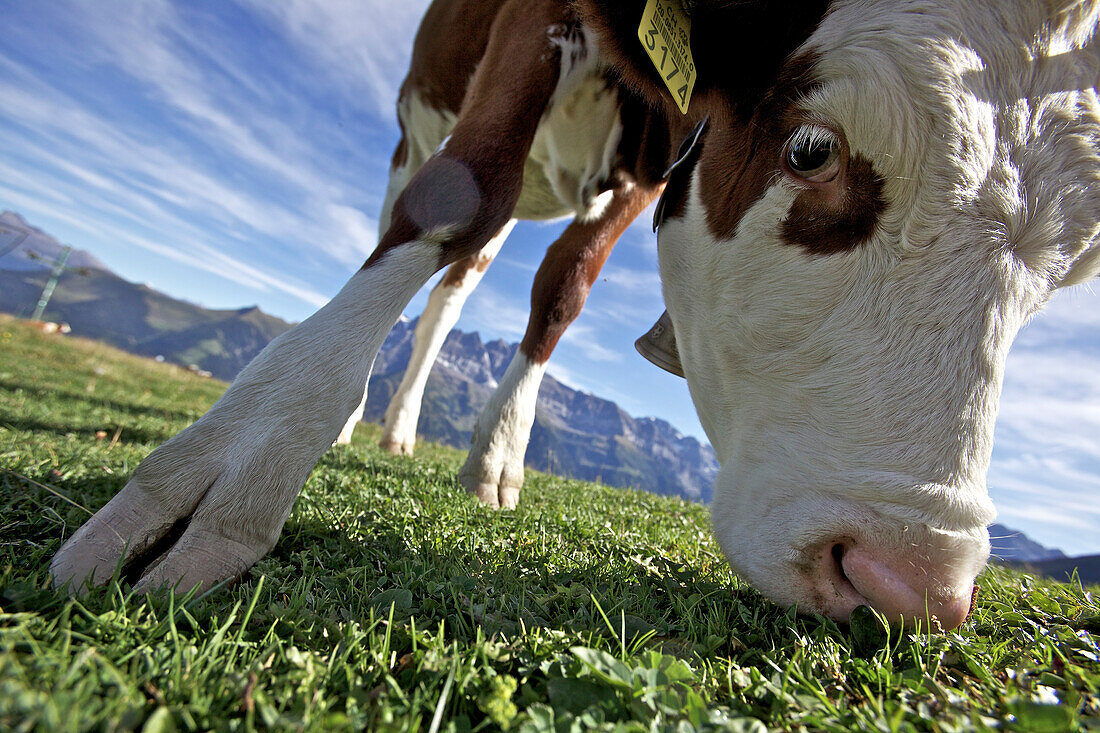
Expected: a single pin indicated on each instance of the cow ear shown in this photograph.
(738, 46)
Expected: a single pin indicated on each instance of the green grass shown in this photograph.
(393, 601)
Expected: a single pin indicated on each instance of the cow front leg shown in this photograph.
(418, 141)
(233, 475)
(439, 317)
(399, 179)
(493, 471)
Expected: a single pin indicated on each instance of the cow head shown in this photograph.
(886, 192)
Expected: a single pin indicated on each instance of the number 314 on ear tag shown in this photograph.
(665, 32)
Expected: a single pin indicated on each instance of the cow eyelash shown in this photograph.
(813, 154)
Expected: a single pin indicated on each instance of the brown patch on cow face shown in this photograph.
(740, 160)
(823, 226)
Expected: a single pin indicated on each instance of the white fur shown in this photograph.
(854, 395)
(494, 467)
(573, 151)
(439, 317)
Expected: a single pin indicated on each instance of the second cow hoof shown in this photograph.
(495, 495)
(396, 447)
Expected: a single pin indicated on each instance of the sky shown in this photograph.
(235, 152)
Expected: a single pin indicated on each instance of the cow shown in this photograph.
(879, 195)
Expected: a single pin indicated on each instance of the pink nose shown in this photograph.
(914, 589)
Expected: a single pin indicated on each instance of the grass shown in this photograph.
(393, 601)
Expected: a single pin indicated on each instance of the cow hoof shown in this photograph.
(490, 475)
(202, 558)
(199, 510)
(397, 447)
(493, 494)
(134, 527)
(509, 497)
(113, 536)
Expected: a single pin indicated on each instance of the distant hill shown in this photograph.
(223, 346)
(99, 304)
(575, 433)
(1016, 549)
(35, 250)
(1087, 567)
(1014, 546)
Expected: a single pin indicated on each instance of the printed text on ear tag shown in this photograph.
(665, 32)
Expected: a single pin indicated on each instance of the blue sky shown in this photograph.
(235, 152)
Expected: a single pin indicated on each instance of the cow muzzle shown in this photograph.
(829, 556)
(915, 585)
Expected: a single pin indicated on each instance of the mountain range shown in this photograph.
(1011, 546)
(575, 433)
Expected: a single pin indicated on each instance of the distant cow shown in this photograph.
(884, 193)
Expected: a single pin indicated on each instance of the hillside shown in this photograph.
(99, 304)
(25, 247)
(392, 600)
(1087, 568)
(1010, 545)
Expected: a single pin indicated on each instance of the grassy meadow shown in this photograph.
(395, 602)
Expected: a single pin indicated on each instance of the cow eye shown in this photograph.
(813, 153)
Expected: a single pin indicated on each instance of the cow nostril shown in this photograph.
(842, 584)
(837, 552)
(838, 556)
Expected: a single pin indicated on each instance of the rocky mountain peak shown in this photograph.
(575, 433)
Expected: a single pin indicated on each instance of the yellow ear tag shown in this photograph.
(665, 32)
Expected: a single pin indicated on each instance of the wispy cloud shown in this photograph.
(495, 314)
(1045, 474)
(190, 79)
(365, 44)
(123, 169)
(632, 280)
(586, 338)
